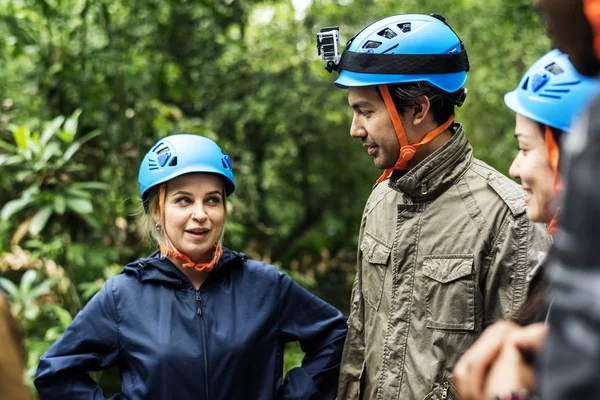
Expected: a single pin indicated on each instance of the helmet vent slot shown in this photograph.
(226, 161)
(554, 68)
(152, 165)
(163, 153)
(538, 81)
(404, 27)
(570, 83)
(173, 162)
(550, 96)
(557, 90)
(525, 84)
(371, 44)
(387, 33)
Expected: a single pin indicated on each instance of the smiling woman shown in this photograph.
(548, 99)
(195, 320)
(532, 166)
(187, 216)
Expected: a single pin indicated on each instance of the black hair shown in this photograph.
(407, 95)
(557, 133)
(535, 307)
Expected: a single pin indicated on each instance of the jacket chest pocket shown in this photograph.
(450, 292)
(375, 256)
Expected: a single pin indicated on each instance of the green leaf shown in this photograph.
(7, 160)
(42, 289)
(50, 150)
(91, 220)
(39, 220)
(60, 204)
(89, 289)
(31, 312)
(63, 315)
(70, 126)
(73, 191)
(14, 206)
(89, 185)
(80, 206)
(9, 147)
(10, 287)
(53, 334)
(51, 129)
(75, 146)
(16, 29)
(26, 282)
(21, 134)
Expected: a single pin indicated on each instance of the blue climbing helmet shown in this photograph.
(552, 92)
(177, 155)
(405, 48)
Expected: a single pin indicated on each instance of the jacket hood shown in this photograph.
(160, 270)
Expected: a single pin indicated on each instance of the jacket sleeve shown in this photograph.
(513, 254)
(321, 330)
(90, 343)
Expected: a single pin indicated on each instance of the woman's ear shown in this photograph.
(421, 110)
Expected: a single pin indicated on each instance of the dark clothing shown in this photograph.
(570, 361)
(223, 341)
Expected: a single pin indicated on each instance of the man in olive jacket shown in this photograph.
(445, 244)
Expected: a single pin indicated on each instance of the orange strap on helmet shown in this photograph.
(172, 251)
(591, 8)
(553, 157)
(407, 151)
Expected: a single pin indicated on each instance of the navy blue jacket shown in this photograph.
(224, 341)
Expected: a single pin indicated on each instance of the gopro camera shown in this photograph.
(328, 45)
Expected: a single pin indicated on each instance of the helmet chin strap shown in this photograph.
(172, 251)
(407, 151)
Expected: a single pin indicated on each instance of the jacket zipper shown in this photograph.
(199, 312)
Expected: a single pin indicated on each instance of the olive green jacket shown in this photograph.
(444, 250)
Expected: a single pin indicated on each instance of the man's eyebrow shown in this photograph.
(360, 104)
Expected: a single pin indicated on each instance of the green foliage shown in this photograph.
(24, 297)
(42, 322)
(293, 356)
(41, 162)
(84, 92)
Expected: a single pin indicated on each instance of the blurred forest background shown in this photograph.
(86, 87)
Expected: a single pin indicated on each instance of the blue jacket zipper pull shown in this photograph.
(199, 300)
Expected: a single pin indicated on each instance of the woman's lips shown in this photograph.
(199, 234)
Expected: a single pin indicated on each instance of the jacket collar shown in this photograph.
(160, 270)
(436, 173)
